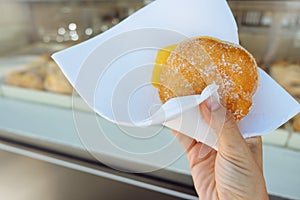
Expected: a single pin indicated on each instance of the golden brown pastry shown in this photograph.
(41, 74)
(55, 81)
(296, 123)
(198, 62)
(288, 76)
(31, 78)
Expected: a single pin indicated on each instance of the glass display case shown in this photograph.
(29, 23)
(32, 84)
(33, 30)
(270, 30)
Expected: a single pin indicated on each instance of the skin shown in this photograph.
(235, 170)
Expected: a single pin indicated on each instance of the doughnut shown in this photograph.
(197, 62)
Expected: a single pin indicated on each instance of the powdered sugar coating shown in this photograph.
(201, 61)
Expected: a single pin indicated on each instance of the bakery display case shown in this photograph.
(270, 30)
(37, 29)
(37, 101)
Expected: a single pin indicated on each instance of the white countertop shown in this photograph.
(54, 128)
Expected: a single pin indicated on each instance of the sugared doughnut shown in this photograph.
(198, 62)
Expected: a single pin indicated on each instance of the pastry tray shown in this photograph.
(43, 97)
(31, 95)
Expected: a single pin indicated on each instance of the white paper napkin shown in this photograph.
(112, 72)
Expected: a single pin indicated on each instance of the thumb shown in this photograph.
(230, 140)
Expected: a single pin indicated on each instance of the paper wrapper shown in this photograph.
(112, 72)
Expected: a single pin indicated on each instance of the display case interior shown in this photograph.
(36, 98)
(270, 30)
(34, 29)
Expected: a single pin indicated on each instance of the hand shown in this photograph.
(232, 172)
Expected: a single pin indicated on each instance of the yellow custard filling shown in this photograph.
(161, 60)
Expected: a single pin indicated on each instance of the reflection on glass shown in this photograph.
(72, 26)
(88, 31)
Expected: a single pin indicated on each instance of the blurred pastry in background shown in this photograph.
(288, 76)
(296, 123)
(41, 74)
(31, 78)
(55, 81)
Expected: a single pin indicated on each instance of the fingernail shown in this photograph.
(212, 103)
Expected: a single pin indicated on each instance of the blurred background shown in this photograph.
(36, 23)
(264, 26)
(40, 152)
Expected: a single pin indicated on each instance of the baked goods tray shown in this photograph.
(19, 63)
(43, 97)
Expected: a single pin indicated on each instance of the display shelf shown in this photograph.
(44, 97)
(279, 137)
(294, 142)
(37, 96)
(46, 120)
(53, 128)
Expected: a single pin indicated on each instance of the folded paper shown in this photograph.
(112, 72)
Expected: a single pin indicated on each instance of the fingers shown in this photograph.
(230, 140)
(255, 146)
(195, 151)
(201, 164)
(185, 141)
(239, 161)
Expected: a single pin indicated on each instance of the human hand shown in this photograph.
(235, 170)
